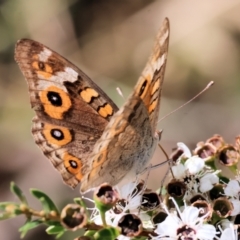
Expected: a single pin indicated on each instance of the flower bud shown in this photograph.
(105, 197)
(216, 192)
(205, 151)
(222, 207)
(197, 197)
(150, 201)
(130, 225)
(176, 189)
(206, 209)
(217, 141)
(159, 217)
(73, 217)
(228, 155)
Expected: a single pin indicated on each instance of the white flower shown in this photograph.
(229, 233)
(194, 174)
(192, 166)
(189, 225)
(232, 190)
(179, 171)
(133, 201)
(185, 149)
(207, 182)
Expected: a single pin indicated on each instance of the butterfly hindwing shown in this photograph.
(128, 141)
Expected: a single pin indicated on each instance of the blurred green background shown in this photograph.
(111, 41)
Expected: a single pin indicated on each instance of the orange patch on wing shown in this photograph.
(66, 135)
(73, 165)
(35, 65)
(51, 110)
(105, 110)
(47, 73)
(100, 158)
(155, 86)
(152, 106)
(97, 162)
(88, 93)
(35, 57)
(118, 126)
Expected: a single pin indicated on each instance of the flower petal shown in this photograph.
(186, 151)
(194, 164)
(236, 207)
(179, 171)
(206, 232)
(207, 181)
(232, 189)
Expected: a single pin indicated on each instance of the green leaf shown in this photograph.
(60, 234)
(28, 226)
(52, 223)
(55, 229)
(6, 215)
(18, 212)
(108, 233)
(17, 191)
(90, 233)
(4, 205)
(47, 203)
(9, 210)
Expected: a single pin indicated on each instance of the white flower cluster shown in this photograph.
(183, 219)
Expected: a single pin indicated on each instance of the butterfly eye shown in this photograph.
(57, 134)
(54, 98)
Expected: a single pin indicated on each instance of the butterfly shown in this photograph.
(79, 128)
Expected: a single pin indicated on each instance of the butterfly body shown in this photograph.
(79, 128)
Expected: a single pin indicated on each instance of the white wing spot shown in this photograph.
(160, 62)
(68, 75)
(44, 55)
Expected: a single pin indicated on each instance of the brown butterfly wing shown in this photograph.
(128, 141)
(149, 85)
(72, 111)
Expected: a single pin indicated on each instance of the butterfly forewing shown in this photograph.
(72, 111)
(149, 85)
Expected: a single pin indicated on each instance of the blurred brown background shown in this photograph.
(111, 41)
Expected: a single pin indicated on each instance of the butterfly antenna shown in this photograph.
(160, 164)
(166, 155)
(196, 96)
(163, 180)
(119, 90)
(148, 169)
(168, 170)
